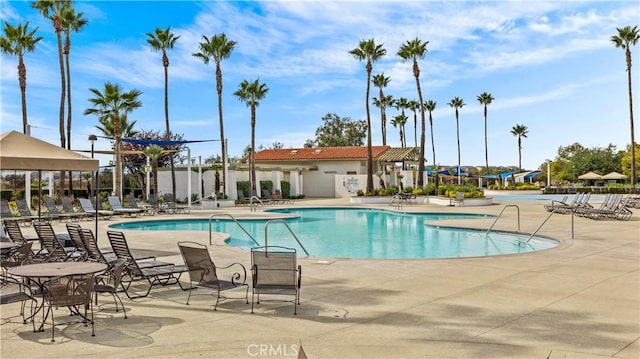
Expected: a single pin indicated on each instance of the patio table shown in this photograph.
(7, 245)
(39, 273)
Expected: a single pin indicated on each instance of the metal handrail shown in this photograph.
(235, 220)
(396, 202)
(542, 224)
(500, 214)
(266, 226)
(253, 206)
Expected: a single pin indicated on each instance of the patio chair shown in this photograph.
(153, 272)
(157, 206)
(173, 206)
(7, 215)
(67, 207)
(55, 213)
(73, 292)
(278, 195)
(109, 283)
(458, 199)
(132, 203)
(204, 273)
(88, 208)
(17, 257)
(13, 290)
(267, 198)
(242, 200)
(274, 271)
(50, 246)
(117, 207)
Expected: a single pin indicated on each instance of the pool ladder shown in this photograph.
(537, 229)
(234, 220)
(266, 227)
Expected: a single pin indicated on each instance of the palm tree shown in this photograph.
(154, 152)
(369, 52)
(520, 131)
(485, 99)
(430, 106)
(413, 50)
(626, 37)
(250, 93)
(163, 40)
(112, 104)
(402, 104)
(218, 48)
(18, 40)
(457, 103)
(399, 121)
(52, 9)
(380, 81)
(107, 126)
(413, 106)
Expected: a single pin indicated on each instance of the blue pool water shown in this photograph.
(361, 233)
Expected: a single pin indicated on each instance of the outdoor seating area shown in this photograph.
(613, 206)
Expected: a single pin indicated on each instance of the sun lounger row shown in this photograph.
(614, 206)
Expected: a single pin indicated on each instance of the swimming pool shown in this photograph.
(362, 233)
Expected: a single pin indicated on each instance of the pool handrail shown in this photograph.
(225, 214)
(500, 214)
(266, 226)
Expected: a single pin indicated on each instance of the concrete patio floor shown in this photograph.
(578, 300)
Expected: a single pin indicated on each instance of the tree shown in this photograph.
(107, 127)
(337, 132)
(413, 50)
(380, 81)
(626, 158)
(154, 152)
(430, 106)
(18, 40)
(413, 106)
(218, 48)
(163, 40)
(369, 52)
(251, 93)
(399, 121)
(626, 37)
(520, 131)
(457, 103)
(485, 99)
(112, 104)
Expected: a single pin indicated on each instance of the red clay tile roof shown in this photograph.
(319, 153)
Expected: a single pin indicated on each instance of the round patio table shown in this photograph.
(57, 269)
(8, 245)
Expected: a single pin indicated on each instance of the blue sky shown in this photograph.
(549, 65)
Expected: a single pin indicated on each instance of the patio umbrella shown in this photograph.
(590, 176)
(614, 176)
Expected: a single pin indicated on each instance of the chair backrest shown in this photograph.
(114, 202)
(23, 208)
(5, 211)
(91, 246)
(121, 250)
(131, 201)
(86, 205)
(67, 206)
(51, 206)
(13, 231)
(76, 291)
(18, 256)
(49, 241)
(153, 201)
(168, 197)
(276, 266)
(75, 234)
(198, 261)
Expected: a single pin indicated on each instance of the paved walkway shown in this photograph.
(579, 300)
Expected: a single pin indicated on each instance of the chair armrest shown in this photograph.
(299, 276)
(239, 277)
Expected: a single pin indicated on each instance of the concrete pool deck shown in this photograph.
(578, 300)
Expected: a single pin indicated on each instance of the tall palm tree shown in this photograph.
(251, 93)
(163, 40)
(520, 131)
(399, 121)
(369, 52)
(430, 106)
(413, 50)
(626, 37)
(485, 99)
(154, 152)
(112, 103)
(380, 81)
(18, 40)
(413, 106)
(402, 104)
(219, 47)
(457, 103)
(70, 22)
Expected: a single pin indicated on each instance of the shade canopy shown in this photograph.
(614, 176)
(590, 176)
(22, 152)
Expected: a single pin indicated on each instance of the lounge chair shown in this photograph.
(154, 272)
(15, 233)
(91, 245)
(7, 214)
(132, 203)
(25, 212)
(267, 198)
(581, 200)
(75, 234)
(277, 195)
(172, 206)
(51, 248)
(88, 208)
(117, 207)
(67, 207)
(55, 213)
(157, 207)
(204, 273)
(613, 208)
(274, 271)
(242, 200)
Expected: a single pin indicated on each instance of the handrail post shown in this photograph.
(500, 215)
(236, 222)
(266, 226)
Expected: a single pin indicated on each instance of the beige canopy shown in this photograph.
(590, 176)
(22, 152)
(614, 176)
